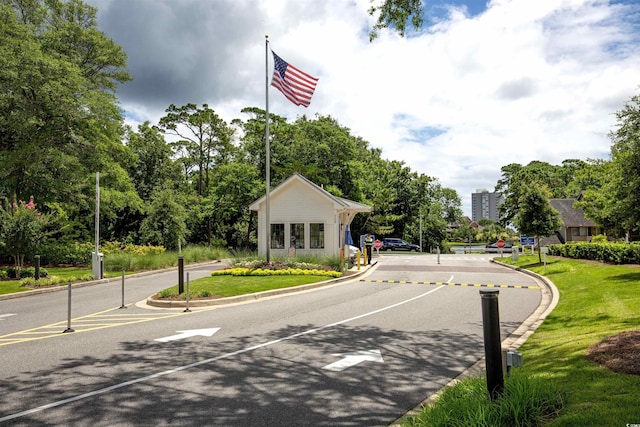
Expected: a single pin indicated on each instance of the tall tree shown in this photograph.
(165, 222)
(599, 184)
(58, 113)
(60, 121)
(237, 185)
(205, 139)
(535, 216)
(153, 165)
(517, 179)
(625, 152)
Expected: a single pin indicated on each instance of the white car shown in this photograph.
(353, 252)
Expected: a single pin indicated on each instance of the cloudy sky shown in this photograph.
(480, 86)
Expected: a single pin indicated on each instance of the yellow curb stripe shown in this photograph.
(477, 285)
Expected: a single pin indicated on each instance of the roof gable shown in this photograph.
(570, 216)
(339, 203)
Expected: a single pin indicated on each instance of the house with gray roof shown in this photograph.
(575, 226)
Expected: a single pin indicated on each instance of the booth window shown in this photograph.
(297, 236)
(277, 236)
(317, 236)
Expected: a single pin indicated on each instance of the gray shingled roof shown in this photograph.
(571, 217)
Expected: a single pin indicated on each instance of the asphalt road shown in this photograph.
(355, 353)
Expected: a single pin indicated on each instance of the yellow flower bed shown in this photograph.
(241, 271)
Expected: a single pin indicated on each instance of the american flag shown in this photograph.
(296, 85)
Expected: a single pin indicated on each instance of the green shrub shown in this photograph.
(12, 272)
(305, 262)
(31, 282)
(3, 274)
(608, 252)
(31, 272)
(55, 253)
(524, 402)
(118, 247)
(153, 258)
(168, 293)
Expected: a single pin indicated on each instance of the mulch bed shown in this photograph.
(619, 353)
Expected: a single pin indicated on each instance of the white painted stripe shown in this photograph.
(204, 362)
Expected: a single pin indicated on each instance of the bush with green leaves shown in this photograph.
(12, 272)
(117, 247)
(31, 282)
(526, 401)
(72, 253)
(608, 252)
(21, 230)
(305, 262)
(128, 261)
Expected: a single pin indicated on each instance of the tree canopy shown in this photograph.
(188, 178)
(60, 123)
(395, 14)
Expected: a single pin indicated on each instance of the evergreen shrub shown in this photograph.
(607, 252)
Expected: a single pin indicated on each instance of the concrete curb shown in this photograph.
(198, 303)
(57, 288)
(549, 301)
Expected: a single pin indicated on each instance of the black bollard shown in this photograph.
(37, 273)
(180, 275)
(492, 342)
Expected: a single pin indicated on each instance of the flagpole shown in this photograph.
(267, 230)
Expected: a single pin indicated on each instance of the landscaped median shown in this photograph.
(595, 324)
(249, 280)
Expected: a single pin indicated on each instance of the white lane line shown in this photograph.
(204, 362)
(450, 279)
(4, 316)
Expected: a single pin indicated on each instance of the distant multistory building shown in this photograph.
(484, 205)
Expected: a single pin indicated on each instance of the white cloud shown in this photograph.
(524, 80)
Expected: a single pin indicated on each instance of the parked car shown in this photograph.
(353, 252)
(395, 244)
(507, 245)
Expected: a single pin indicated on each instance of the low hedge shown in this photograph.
(54, 253)
(74, 253)
(12, 273)
(608, 252)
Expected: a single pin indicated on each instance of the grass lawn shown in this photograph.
(229, 286)
(11, 287)
(596, 301)
(67, 273)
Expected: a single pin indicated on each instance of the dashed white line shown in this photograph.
(204, 362)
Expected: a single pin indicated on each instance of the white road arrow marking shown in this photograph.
(3, 316)
(351, 359)
(189, 333)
